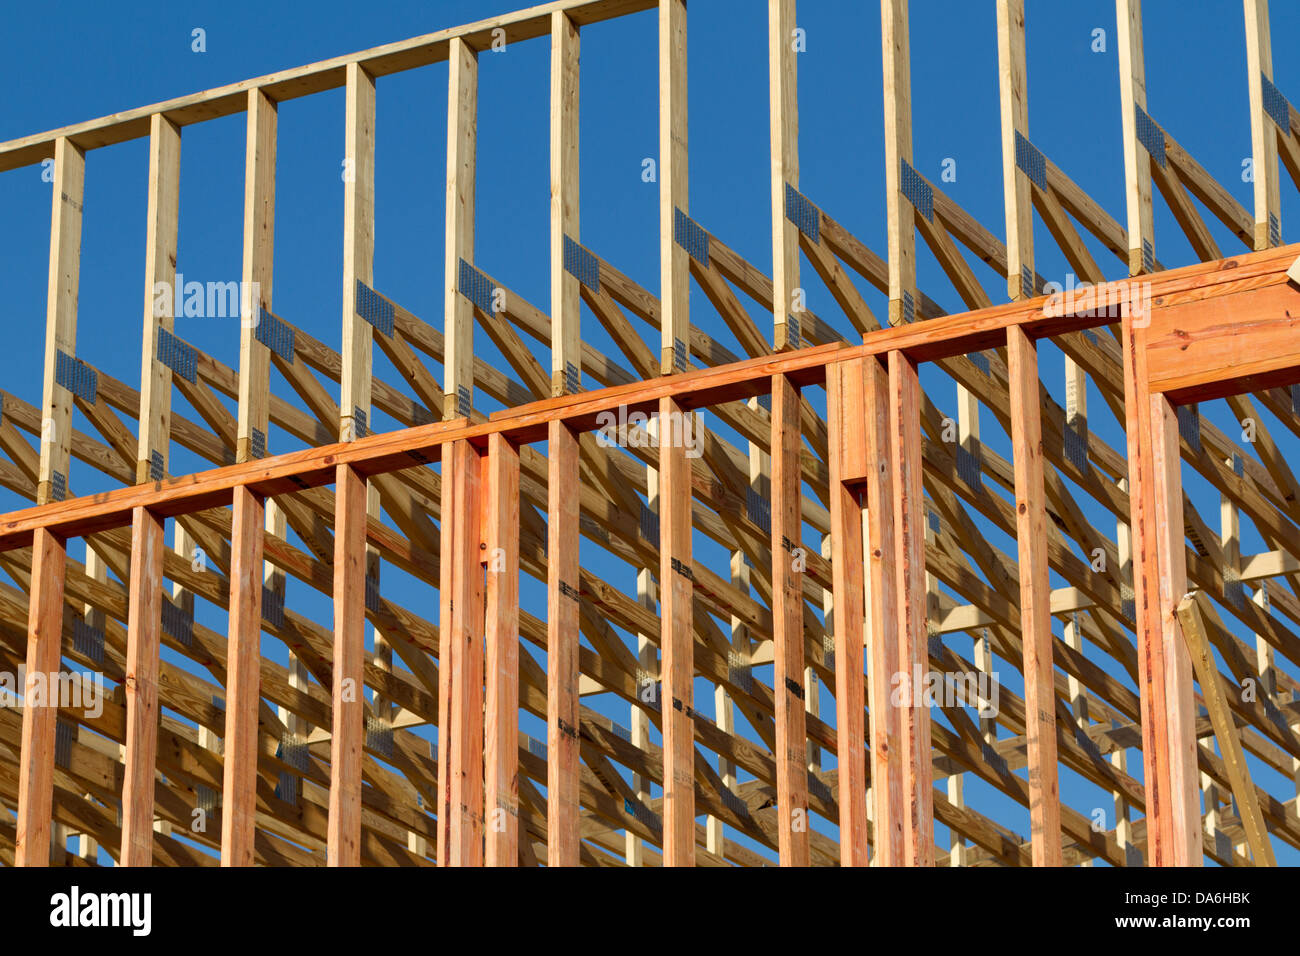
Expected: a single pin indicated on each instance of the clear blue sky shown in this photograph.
(69, 62)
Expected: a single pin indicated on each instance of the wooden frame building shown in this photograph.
(862, 523)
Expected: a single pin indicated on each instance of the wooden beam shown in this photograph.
(344, 831)
(1158, 559)
(1194, 610)
(529, 23)
(1014, 104)
(44, 654)
(159, 292)
(1184, 804)
(900, 214)
(783, 105)
(255, 294)
(358, 247)
(788, 562)
(566, 315)
(144, 634)
(61, 318)
(1197, 351)
(674, 262)
(460, 662)
(1035, 610)
(501, 737)
(562, 510)
(1263, 131)
(1137, 161)
(889, 809)
(462, 132)
(676, 642)
(909, 570)
(243, 682)
(846, 406)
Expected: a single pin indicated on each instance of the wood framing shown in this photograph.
(728, 529)
(243, 690)
(44, 653)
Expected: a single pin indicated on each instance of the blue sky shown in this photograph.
(70, 62)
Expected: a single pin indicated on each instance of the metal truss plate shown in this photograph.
(1150, 135)
(740, 672)
(1031, 161)
(800, 210)
(916, 190)
(275, 334)
(968, 468)
(690, 235)
(758, 509)
(65, 735)
(272, 607)
(581, 264)
(76, 376)
(1276, 105)
(1076, 448)
(177, 355)
(1189, 425)
(374, 308)
(379, 735)
(649, 524)
(475, 286)
(177, 622)
(88, 641)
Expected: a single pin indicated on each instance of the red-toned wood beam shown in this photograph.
(845, 410)
(460, 663)
(788, 562)
(1164, 666)
(44, 653)
(501, 736)
(344, 831)
(1180, 714)
(144, 632)
(889, 807)
(676, 590)
(909, 571)
(243, 682)
(563, 842)
(243, 688)
(1035, 599)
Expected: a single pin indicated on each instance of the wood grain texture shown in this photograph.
(788, 561)
(44, 653)
(909, 570)
(845, 411)
(348, 736)
(243, 687)
(501, 716)
(1035, 599)
(676, 642)
(144, 634)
